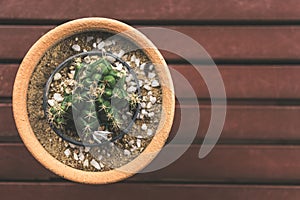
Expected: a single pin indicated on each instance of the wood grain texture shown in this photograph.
(60, 191)
(221, 42)
(202, 10)
(271, 81)
(243, 123)
(230, 164)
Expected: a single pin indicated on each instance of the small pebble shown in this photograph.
(143, 105)
(131, 89)
(57, 97)
(81, 156)
(95, 45)
(132, 59)
(95, 164)
(149, 132)
(119, 67)
(133, 149)
(140, 83)
(152, 99)
(149, 93)
(149, 105)
(66, 144)
(151, 114)
(137, 62)
(57, 76)
(151, 67)
(138, 143)
(71, 76)
(121, 53)
(147, 87)
(67, 152)
(155, 83)
(144, 127)
(86, 163)
(144, 112)
(87, 59)
(87, 149)
(131, 142)
(76, 47)
(68, 90)
(128, 78)
(142, 67)
(51, 102)
(75, 156)
(101, 45)
(140, 116)
(126, 152)
(151, 75)
(101, 165)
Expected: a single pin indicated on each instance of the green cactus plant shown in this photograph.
(98, 98)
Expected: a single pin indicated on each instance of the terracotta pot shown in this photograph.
(26, 69)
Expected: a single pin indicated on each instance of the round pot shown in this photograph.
(20, 91)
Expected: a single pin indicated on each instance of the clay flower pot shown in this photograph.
(20, 97)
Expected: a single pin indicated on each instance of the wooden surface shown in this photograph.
(256, 46)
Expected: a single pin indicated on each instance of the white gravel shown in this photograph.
(95, 164)
(126, 152)
(149, 132)
(101, 45)
(152, 99)
(76, 47)
(154, 83)
(75, 156)
(51, 102)
(86, 163)
(151, 75)
(57, 76)
(57, 97)
(67, 152)
(144, 127)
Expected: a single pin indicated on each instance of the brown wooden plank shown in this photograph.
(221, 42)
(271, 81)
(230, 164)
(136, 191)
(7, 127)
(243, 123)
(201, 10)
(7, 78)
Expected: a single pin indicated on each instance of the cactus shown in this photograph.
(97, 85)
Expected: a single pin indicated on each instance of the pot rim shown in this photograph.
(21, 84)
